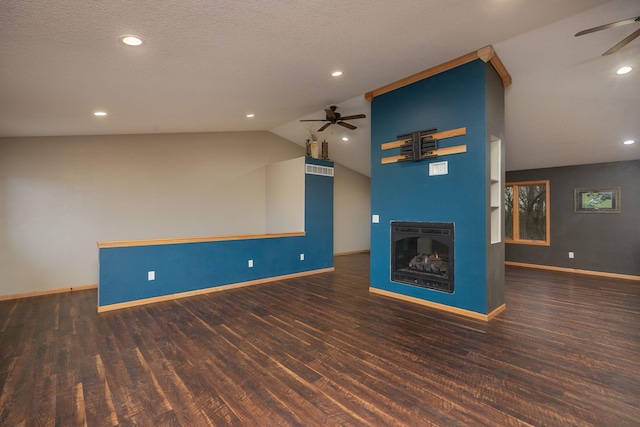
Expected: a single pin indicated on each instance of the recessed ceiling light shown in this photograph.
(100, 113)
(336, 73)
(629, 142)
(250, 116)
(130, 40)
(624, 70)
(344, 138)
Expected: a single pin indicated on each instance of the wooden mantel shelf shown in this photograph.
(152, 242)
(486, 54)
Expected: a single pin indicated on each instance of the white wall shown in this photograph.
(61, 195)
(352, 210)
(285, 196)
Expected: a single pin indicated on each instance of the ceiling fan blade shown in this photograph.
(326, 125)
(356, 116)
(316, 120)
(622, 43)
(330, 114)
(611, 25)
(347, 125)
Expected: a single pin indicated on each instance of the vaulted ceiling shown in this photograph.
(205, 65)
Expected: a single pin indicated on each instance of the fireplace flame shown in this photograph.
(436, 254)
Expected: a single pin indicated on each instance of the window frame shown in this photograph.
(516, 214)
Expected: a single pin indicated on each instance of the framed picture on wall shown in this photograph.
(597, 200)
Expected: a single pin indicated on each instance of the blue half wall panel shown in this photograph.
(193, 266)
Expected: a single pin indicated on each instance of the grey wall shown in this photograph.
(61, 195)
(495, 129)
(601, 242)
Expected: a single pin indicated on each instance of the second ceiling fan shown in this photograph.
(335, 118)
(622, 42)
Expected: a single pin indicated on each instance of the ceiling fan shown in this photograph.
(333, 117)
(622, 43)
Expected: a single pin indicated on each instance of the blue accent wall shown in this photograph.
(318, 216)
(406, 192)
(192, 266)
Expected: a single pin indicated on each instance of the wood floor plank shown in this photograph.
(79, 418)
(321, 350)
(99, 405)
(215, 396)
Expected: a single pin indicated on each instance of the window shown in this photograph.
(528, 223)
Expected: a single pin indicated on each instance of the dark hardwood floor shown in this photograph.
(322, 351)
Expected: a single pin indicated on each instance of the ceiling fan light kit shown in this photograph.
(622, 43)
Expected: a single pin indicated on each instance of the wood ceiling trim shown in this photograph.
(486, 54)
(489, 54)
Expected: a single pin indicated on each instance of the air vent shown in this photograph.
(319, 170)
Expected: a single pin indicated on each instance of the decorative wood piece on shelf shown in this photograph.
(423, 145)
(325, 150)
(314, 149)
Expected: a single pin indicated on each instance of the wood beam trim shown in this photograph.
(153, 242)
(457, 149)
(440, 135)
(498, 65)
(486, 54)
(422, 75)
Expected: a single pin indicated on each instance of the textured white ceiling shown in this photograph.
(206, 64)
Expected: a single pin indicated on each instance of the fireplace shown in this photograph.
(422, 254)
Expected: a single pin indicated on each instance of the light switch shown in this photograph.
(375, 219)
(438, 168)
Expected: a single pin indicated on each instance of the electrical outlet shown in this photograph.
(571, 255)
(375, 219)
(301, 257)
(250, 263)
(151, 275)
